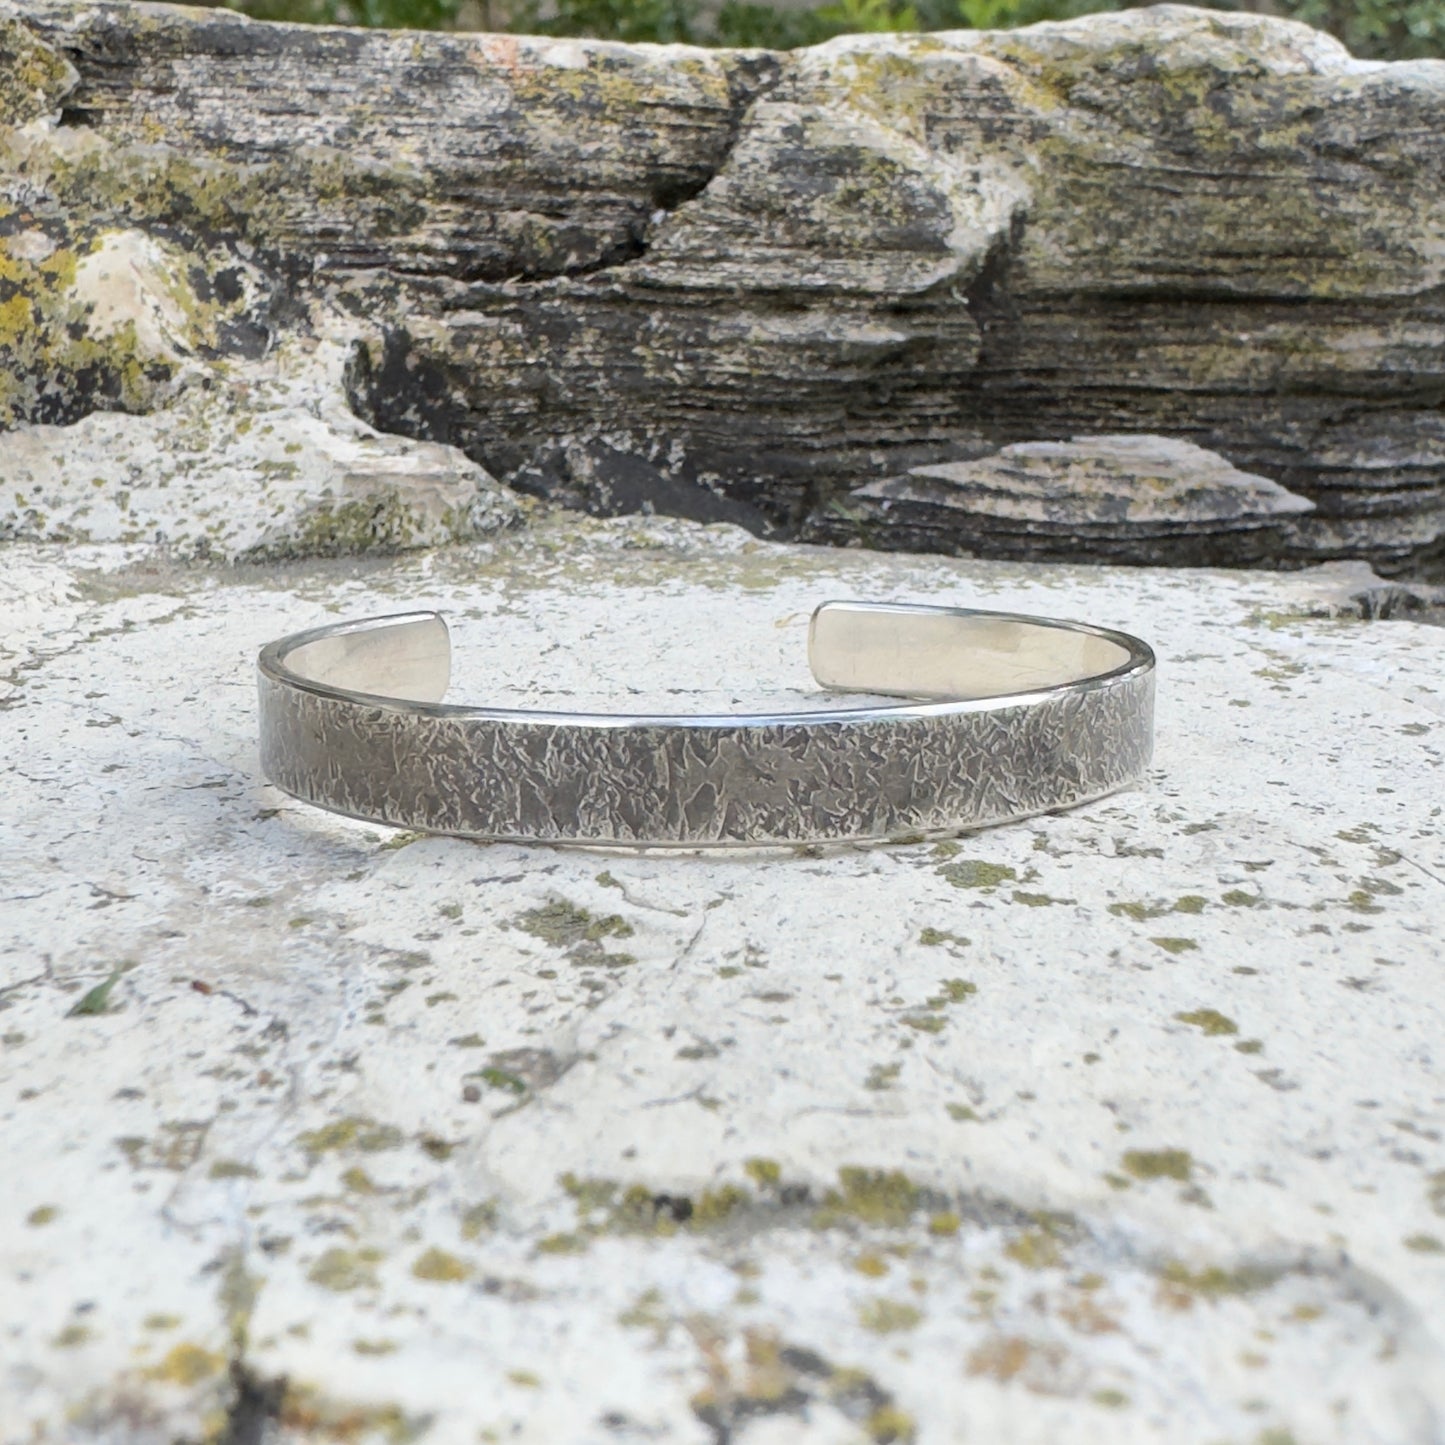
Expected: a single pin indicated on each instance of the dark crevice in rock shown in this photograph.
(1173, 293)
(1396, 601)
(606, 480)
(782, 1379)
(397, 386)
(677, 1208)
(621, 253)
(400, 390)
(255, 1407)
(752, 79)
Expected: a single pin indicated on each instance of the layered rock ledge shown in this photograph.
(772, 289)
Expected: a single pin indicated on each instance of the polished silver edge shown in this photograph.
(904, 837)
(271, 663)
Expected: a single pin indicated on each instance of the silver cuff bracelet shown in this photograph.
(1009, 716)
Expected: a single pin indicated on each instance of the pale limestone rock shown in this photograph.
(1120, 1125)
(272, 464)
(1104, 479)
(1117, 495)
(131, 280)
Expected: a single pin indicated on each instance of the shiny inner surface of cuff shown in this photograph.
(889, 649)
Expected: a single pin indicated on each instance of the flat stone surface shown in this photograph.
(1117, 1125)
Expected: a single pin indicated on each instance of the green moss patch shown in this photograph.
(974, 873)
(578, 932)
(440, 1267)
(1148, 1164)
(887, 1317)
(345, 1269)
(187, 1365)
(1216, 1282)
(870, 1196)
(1209, 1021)
(1175, 945)
(1035, 1249)
(351, 1133)
(33, 78)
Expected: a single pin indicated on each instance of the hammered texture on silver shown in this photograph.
(696, 784)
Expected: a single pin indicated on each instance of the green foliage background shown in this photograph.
(1387, 29)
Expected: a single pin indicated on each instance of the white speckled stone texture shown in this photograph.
(1117, 1125)
(272, 464)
